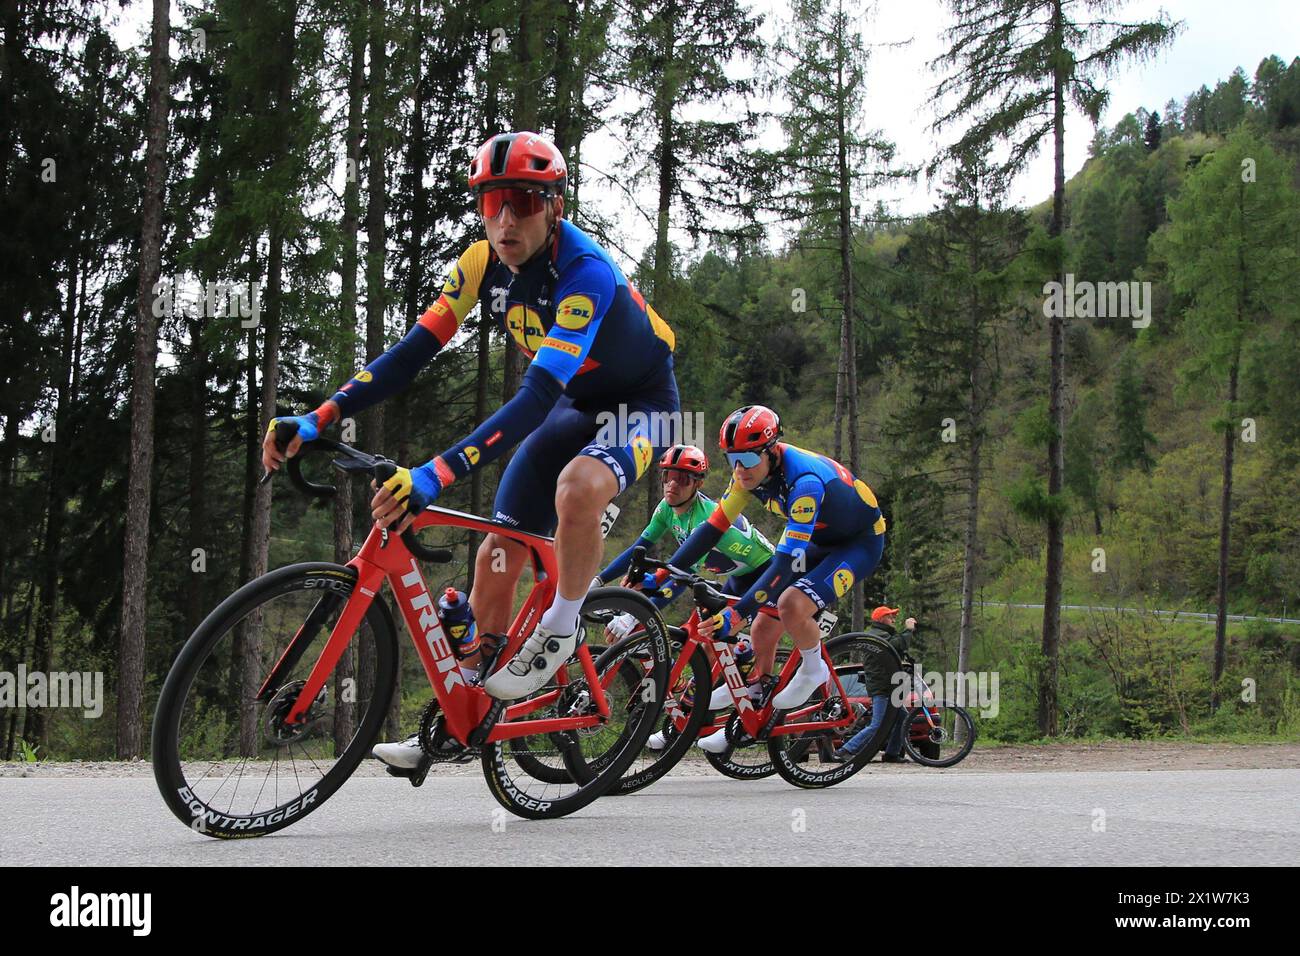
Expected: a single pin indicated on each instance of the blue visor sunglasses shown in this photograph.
(745, 459)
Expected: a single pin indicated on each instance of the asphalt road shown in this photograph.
(1224, 817)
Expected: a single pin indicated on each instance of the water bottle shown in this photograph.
(744, 654)
(458, 619)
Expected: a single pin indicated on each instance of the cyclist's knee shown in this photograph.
(585, 487)
(794, 605)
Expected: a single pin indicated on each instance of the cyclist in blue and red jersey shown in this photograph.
(595, 345)
(834, 537)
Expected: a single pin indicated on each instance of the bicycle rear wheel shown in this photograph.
(944, 736)
(224, 760)
(594, 757)
(805, 760)
(650, 765)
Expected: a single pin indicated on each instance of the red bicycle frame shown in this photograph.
(385, 557)
(752, 718)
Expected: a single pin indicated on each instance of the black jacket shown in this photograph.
(879, 666)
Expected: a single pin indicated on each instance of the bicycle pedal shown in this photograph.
(421, 771)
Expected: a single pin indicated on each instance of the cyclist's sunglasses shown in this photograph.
(675, 474)
(523, 202)
(745, 459)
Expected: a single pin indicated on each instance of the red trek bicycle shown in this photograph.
(796, 743)
(283, 689)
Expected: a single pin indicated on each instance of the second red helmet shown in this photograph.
(750, 428)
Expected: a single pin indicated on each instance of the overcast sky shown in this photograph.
(1217, 36)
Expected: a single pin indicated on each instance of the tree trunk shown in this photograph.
(258, 544)
(377, 116)
(846, 401)
(663, 272)
(198, 476)
(1048, 679)
(345, 711)
(135, 564)
(51, 546)
(1225, 519)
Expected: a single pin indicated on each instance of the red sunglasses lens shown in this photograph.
(523, 202)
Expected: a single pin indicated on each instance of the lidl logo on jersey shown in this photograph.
(642, 452)
(760, 597)
(455, 281)
(363, 376)
(575, 312)
(803, 509)
(525, 326)
(842, 580)
(471, 453)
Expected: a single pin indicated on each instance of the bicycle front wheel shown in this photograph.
(225, 760)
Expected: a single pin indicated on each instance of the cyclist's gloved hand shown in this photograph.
(426, 486)
(723, 624)
(651, 581)
(621, 626)
(308, 425)
(416, 488)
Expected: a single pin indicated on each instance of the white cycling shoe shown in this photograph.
(657, 740)
(404, 755)
(715, 743)
(801, 686)
(721, 697)
(540, 657)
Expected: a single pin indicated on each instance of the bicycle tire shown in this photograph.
(699, 669)
(169, 774)
(641, 713)
(780, 748)
(924, 757)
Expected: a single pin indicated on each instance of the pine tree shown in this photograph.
(1131, 437)
(830, 161)
(135, 563)
(1230, 249)
(1012, 66)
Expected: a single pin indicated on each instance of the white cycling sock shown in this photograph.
(812, 659)
(562, 616)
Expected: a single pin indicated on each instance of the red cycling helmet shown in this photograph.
(751, 428)
(509, 159)
(686, 458)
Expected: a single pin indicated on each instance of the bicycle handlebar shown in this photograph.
(707, 597)
(350, 460)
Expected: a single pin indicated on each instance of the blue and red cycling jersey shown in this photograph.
(827, 510)
(589, 334)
